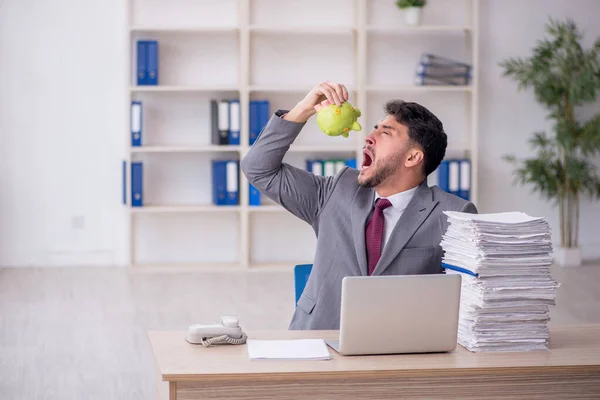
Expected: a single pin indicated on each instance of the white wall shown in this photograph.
(508, 29)
(63, 112)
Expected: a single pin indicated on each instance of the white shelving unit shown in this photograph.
(233, 49)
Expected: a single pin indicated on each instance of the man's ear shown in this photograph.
(415, 157)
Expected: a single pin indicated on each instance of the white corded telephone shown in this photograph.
(227, 332)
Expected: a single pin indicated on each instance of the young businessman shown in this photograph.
(382, 219)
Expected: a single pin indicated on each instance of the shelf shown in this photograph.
(183, 29)
(395, 30)
(169, 88)
(415, 88)
(287, 88)
(322, 149)
(208, 208)
(267, 208)
(251, 50)
(316, 30)
(184, 149)
(281, 88)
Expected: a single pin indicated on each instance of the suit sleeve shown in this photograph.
(469, 208)
(300, 192)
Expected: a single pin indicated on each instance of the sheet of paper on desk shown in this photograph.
(301, 349)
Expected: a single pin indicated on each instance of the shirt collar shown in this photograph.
(400, 200)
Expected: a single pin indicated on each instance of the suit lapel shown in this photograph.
(414, 215)
(362, 206)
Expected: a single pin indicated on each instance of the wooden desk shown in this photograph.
(570, 369)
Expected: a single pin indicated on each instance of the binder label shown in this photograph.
(465, 175)
(232, 182)
(454, 177)
(136, 117)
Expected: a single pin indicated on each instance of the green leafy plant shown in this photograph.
(410, 3)
(564, 76)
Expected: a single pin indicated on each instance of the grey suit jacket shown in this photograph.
(338, 209)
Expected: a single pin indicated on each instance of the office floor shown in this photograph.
(81, 333)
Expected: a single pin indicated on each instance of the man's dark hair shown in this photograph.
(424, 128)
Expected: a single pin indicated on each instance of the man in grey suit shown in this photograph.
(382, 219)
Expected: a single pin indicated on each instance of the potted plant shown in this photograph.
(412, 10)
(564, 76)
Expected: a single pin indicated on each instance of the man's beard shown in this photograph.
(382, 172)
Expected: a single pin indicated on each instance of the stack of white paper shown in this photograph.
(507, 288)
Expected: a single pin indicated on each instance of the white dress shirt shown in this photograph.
(393, 213)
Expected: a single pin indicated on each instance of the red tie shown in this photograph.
(374, 234)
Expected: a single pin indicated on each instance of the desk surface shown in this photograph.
(572, 348)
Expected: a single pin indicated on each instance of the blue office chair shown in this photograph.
(301, 274)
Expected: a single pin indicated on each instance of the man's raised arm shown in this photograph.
(299, 191)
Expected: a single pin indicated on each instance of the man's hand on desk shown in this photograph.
(323, 94)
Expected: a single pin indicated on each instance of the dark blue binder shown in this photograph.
(264, 114)
(309, 165)
(253, 122)
(124, 182)
(444, 175)
(152, 62)
(142, 67)
(254, 196)
(219, 181)
(136, 123)
(137, 184)
(258, 118)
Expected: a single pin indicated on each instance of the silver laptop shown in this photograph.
(398, 314)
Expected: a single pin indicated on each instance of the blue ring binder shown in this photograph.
(459, 269)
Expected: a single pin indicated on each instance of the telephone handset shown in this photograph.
(227, 332)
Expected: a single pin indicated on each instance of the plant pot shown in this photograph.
(413, 15)
(567, 256)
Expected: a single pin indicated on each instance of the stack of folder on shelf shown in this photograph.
(329, 167)
(226, 120)
(225, 182)
(453, 176)
(147, 62)
(436, 70)
(507, 287)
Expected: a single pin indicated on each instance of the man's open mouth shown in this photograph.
(367, 159)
